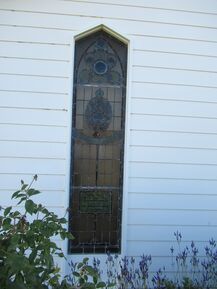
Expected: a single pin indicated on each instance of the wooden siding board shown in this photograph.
(174, 45)
(174, 61)
(35, 51)
(172, 170)
(11, 182)
(169, 185)
(31, 116)
(138, 233)
(143, 154)
(32, 150)
(170, 107)
(172, 202)
(34, 83)
(47, 198)
(173, 76)
(194, 6)
(36, 133)
(31, 100)
(35, 35)
(173, 92)
(34, 67)
(32, 166)
(174, 218)
(175, 123)
(172, 139)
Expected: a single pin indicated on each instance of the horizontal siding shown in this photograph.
(45, 196)
(22, 166)
(186, 169)
(103, 9)
(172, 202)
(38, 51)
(170, 185)
(168, 60)
(35, 35)
(11, 182)
(173, 76)
(34, 67)
(174, 218)
(132, 28)
(194, 6)
(174, 92)
(168, 107)
(32, 150)
(173, 139)
(33, 100)
(34, 83)
(174, 45)
(32, 116)
(177, 123)
(139, 233)
(172, 155)
(172, 122)
(33, 133)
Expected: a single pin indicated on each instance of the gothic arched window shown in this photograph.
(97, 143)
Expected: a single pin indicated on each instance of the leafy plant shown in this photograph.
(85, 276)
(26, 248)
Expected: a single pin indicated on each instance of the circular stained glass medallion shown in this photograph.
(100, 67)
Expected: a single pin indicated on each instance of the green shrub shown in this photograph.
(26, 248)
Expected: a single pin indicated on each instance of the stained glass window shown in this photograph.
(97, 144)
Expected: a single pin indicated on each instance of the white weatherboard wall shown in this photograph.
(172, 125)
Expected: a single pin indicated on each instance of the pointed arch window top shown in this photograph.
(100, 63)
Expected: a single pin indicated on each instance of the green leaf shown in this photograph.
(6, 223)
(32, 192)
(24, 186)
(53, 245)
(21, 200)
(17, 262)
(85, 260)
(91, 271)
(80, 265)
(63, 220)
(88, 285)
(16, 214)
(67, 235)
(15, 194)
(63, 235)
(111, 285)
(101, 285)
(45, 211)
(95, 279)
(61, 255)
(76, 274)
(14, 240)
(7, 211)
(30, 206)
(81, 281)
